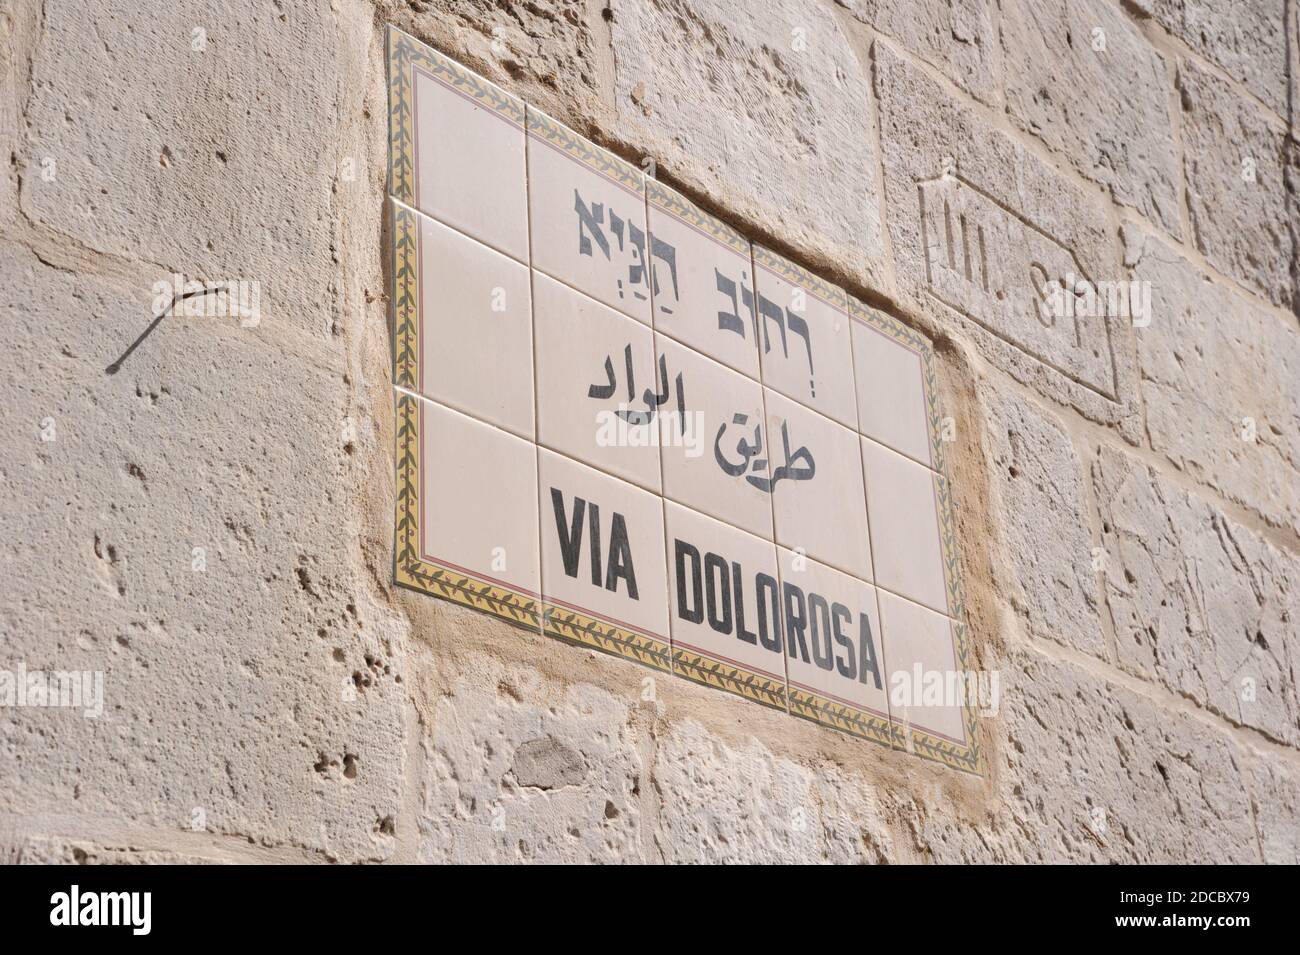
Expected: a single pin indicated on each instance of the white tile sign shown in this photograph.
(623, 426)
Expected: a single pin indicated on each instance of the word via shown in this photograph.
(228, 298)
(68, 689)
(619, 564)
(749, 452)
(103, 908)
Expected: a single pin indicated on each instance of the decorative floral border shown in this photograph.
(965, 757)
(600, 161)
(679, 207)
(576, 627)
(848, 719)
(705, 670)
(405, 55)
(405, 226)
(526, 610)
(948, 547)
(832, 295)
(410, 569)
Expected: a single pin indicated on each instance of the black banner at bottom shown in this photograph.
(215, 904)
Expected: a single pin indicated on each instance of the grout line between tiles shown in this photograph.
(462, 233)
(875, 573)
(532, 330)
(591, 298)
(771, 498)
(663, 491)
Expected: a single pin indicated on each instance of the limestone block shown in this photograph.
(1219, 389)
(1083, 79)
(1201, 604)
(182, 527)
(1043, 520)
(1239, 180)
(768, 115)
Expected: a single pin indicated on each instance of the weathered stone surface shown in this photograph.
(1083, 79)
(1219, 380)
(176, 155)
(1238, 186)
(858, 819)
(1089, 772)
(42, 850)
(744, 804)
(1248, 40)
(1099, 774)
(956, 37)
(1275, 797)
(1293, 57)
(1043, 519)
(1198, 602)
(547, 52)
(255, 696)
(768, 115)
(19, 24)
(658, 792)
(979, 226)
(520, 770)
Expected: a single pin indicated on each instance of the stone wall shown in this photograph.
(201, 508)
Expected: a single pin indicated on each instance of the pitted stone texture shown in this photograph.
(1219, 378)
(955, 37)
(217, 162)
(1084, 80)
(1248, 40)
(19, 26)
(1043, 520)
(722, 802)
(1074, 743)
(44, 850)
(1275, 796)
(1293, 93)
(1240, 174)
(856, 820)
(1198, 602)
(976, 221)
(518, 770)
(259, 690)
(769, 115)
(545, 51)
(1096, 773)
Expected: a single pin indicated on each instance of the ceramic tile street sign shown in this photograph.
(622, 425)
